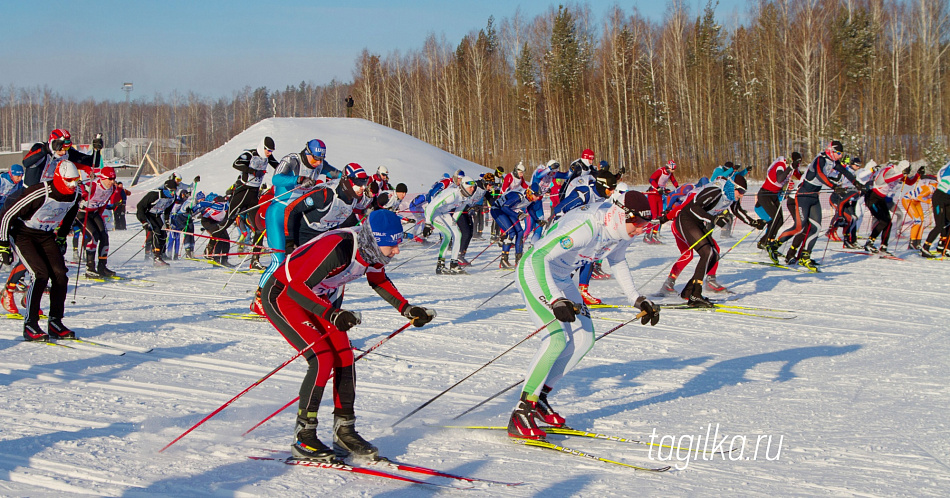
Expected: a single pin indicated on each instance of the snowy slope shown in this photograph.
(349, 140)
(854, 387)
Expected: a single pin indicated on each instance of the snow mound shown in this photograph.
(349, 140)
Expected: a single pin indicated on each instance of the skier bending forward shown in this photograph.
(303, 300)
(584, 235)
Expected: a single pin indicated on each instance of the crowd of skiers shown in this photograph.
(325, 226)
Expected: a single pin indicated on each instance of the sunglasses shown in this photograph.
(360, 182)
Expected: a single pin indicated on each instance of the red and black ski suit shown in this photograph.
(300, 299)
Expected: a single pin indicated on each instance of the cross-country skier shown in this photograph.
(304, 301)
(252, 164)
(442, 213)
(508, 211)
(582, 236)
(514, 180)
(888, 181)
(659, 181)
(154, 212)
(97, 197)
(913, 203)
(294, 173)
(326, 207)
(11, 183)
(40, 162)
(768, 201)
(940, 203)
(37, 223)
(381, 178)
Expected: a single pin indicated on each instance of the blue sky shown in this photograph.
(88, 48)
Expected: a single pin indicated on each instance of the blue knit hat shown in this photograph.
(386, 226)
(16, 169)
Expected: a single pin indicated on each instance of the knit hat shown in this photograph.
(386, 226)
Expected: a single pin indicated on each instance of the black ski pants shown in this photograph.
(40, 254)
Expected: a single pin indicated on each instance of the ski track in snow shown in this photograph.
(856, 385)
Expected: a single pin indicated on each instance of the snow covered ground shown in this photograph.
(854, 388)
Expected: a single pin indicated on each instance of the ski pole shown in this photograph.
(81, 254)
(489, 245)
(127, 241)
(737, 243)
(255, 384)
(378, 344)
(134, 255)
(259, 204)
(495, 294)
(503, 391)
(236, 268)
(490, 262)
(688, 249)
(437, 396)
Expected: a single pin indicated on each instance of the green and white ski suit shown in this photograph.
(442, 213)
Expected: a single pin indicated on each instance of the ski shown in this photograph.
(49, 343)
(678, 305)
(541, 443)
(91, 343)
(732, 312)
(344, 467)
(567, 431)
(17, 316)
(882, 255)
(776, 265)
(244, 316)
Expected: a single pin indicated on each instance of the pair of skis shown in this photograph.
(367, 468)
(732, 309)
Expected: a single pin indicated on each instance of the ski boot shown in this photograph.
(517, 258)
(256, 305)
(59, 331)
(522, 425)
(869, 246)
(307, 446)
(455, 268)
(807, 262)
(668, 288)
(8, 300)
(883, 251)
(598, 273)
(833, 234)
(189, 254)
(102, 270)
(91, 265)
(157, 259)
(762, 244)
(588, 299)
(440, 268)
(914, 245)
(656, 238)
(504, 264)
(791, 257)
(545, 412)
(924, 253)
(462, 261)
(648, 238)
(850, 245)
(346, 440)
(33, 332)
(713, 285)
(256, 262)
(75, 254)
(418, 239)
(693, 294)
(772, 248)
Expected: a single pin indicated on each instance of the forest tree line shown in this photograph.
(790, 75)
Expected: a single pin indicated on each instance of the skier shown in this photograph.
(381, 178)
(694, 222)
(295, 172)
(304, 300)
(215, 221)
(154, 211)
(940, 203)
(37, 223)
(100, 195)
(508, 212)
(913, 203)
(252, 164)
(442, 213)
(657, 191)
(844, 200)
(824, 171)
(326, 207)
(768, 201)
(40, 162)
(885, 185)
(579, 173)
(581, 236)
(11, 183)
(514, 180)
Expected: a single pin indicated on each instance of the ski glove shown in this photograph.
(197, 178)
(418, 315)
(565, 310)
(61, 242)
(650, 311)
(344, 320)
(758, 224)
(427, 230)
(97, 142)
(6, 253)
(721, 220)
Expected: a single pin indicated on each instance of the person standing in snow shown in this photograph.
(252, 164)
(99, 196)
(657, 191)
(553, 301)
(40, 162)
(154, 211)
(940, 203)
(888, 181)
(37, 222)
(442, 213)
(304, 301)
